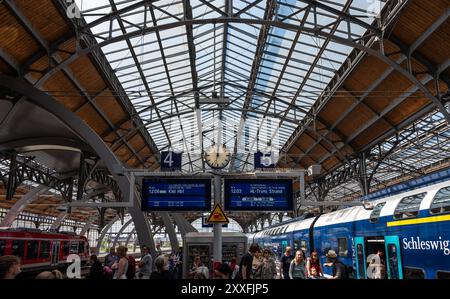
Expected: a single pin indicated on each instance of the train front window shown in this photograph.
(66, 248)
(18, 248)
(81, 247)
(375, 215)
(409, 206)
(443, 275)
(44, 250)
(32, 249)
(441, 202)
(2, 247)
(73, 247)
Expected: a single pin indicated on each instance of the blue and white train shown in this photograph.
(412, 228)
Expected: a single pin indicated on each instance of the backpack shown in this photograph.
(131, 271)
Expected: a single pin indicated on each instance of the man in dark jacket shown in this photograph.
(339, 269)
(96, 271)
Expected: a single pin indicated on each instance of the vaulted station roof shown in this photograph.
(320, 82)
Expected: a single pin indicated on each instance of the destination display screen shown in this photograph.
(264, 195)
(160, 194)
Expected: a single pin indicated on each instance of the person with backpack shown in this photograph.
(339, 269)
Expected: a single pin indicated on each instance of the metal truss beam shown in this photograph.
(18, 207)
(23, 171)
(260, 47)
(126, 224)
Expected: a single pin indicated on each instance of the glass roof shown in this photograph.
(269, 76)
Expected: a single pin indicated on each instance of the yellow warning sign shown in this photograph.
(217, 216)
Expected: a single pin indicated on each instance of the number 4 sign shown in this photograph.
(170, 161)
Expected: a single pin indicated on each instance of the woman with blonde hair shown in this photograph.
(121, 266)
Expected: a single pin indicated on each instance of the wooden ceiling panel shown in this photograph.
(358, 117)
(87, 75)
(137, 142)
(60, 84)
(367, 71)
(305, 142)
(109, 104)
(406, 109)
(14, 39)
(336, 106)
(93, 119)
(391, 88)
(45, 17)
(330, 162)
(417, 17)
(373, 132)
(437, 47)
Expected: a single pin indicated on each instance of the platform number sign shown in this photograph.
(170, 161)
(264, 160)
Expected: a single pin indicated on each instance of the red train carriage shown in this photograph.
(42, 250)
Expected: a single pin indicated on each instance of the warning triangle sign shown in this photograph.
(217, 216)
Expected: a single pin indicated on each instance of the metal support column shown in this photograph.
(217, 228)
(302, 193)
(171, 231)
(363, 175)
(11, 188)
(58, 221)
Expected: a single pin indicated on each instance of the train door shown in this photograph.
(55, 253)
(393, 257)
(360, 258)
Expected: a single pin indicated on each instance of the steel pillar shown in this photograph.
(170, 229)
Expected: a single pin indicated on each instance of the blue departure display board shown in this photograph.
(260, 195)
(161, 194)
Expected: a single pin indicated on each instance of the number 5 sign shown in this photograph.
(264, 160)
(170, 161)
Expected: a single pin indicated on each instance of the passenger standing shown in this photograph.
(285, 261)
(96, 270)
(9, 266)
(110, 260)
(195, 266)
(245, 267)
(122, 265)
(314, 264)
(297, 269)
(268, 267)
(162, 269)
(339, 271)
(145, 264)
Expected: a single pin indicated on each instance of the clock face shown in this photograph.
(217, 156)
